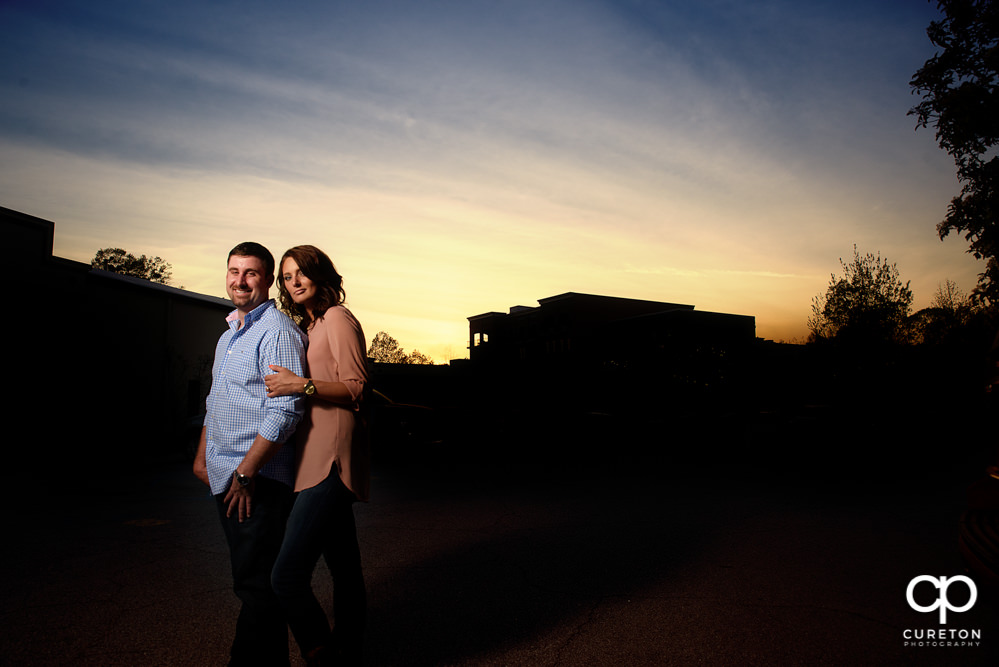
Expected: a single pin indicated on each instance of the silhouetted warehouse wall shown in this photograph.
(119, 365)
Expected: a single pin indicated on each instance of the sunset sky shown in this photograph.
(460, 157)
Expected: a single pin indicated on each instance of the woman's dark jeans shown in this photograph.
(322, 523)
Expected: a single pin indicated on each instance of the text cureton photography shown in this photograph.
(942, 637)
(956, 637)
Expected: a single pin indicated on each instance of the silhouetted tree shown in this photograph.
(950, 297)
(127, 264)
(386, 349)
(960, 99)
(950, 310)
(418, 358)
(868, 304)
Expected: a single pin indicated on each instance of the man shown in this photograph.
(242, 455)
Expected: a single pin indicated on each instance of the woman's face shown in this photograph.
(301, 289)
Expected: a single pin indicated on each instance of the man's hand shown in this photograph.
(239, 499)
(283, 382)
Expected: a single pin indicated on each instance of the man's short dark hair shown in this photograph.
(251, 249)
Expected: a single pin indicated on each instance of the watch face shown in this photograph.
(310, 388)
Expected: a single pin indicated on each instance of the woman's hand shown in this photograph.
(283, 382)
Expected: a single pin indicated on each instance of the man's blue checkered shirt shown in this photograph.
(238, 407)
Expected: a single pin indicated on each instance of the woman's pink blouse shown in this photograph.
(332, 433)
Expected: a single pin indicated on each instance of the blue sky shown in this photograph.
(455, 158)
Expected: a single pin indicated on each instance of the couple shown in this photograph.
(282, 504)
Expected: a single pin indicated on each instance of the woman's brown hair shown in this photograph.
(317, 267)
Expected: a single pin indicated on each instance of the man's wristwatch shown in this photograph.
(310, 388)
(242, 480)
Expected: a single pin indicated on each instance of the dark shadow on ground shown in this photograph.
(558, 518)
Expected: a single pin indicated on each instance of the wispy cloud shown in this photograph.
(462, 157)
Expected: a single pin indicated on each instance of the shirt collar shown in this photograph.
(250, 317)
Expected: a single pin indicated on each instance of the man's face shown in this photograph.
(247, 282)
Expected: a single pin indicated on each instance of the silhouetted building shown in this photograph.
(613, 346)
(121, 365)
(588, 327)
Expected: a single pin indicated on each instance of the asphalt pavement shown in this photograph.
(510, 559)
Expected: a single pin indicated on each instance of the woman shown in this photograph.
(332, 461)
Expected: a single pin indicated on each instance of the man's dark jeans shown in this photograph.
(261, 633)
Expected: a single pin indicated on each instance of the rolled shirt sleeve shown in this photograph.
(346, 342)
